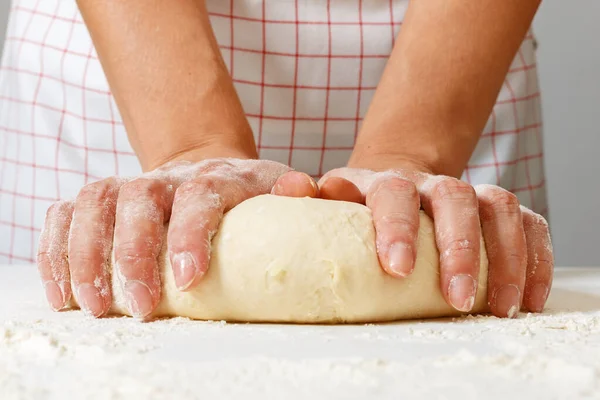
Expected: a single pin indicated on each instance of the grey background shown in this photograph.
(569, 65)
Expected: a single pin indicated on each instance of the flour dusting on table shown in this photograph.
(555, 355)
(55, 356)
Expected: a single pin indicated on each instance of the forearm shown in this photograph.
(441, 82)
(168, 78)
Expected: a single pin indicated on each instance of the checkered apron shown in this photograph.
(305, 71)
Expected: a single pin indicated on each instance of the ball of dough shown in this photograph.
(303, 260)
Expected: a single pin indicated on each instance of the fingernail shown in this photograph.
(184, 269)
(538, 297)
(139, 298)
(461, 292)
(54, 295)
(507, 300)
(401, 259)
(90, 300)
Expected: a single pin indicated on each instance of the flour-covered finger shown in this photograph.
(90, 242)
(52, 257)
(197, 212)
(453, 205)
(540, 261)
(144, 205)
(395, 205)
(502, 225)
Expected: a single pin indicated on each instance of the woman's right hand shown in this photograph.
(75, 246)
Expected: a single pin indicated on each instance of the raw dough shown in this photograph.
(278, 259)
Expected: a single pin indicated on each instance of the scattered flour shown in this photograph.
(549, 356)
(58, 356)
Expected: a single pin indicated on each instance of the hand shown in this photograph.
(75, 246)
(517, 240)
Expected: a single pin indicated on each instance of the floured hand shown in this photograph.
(517, 240)
(77, 240)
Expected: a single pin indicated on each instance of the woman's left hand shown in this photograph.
(517, 240)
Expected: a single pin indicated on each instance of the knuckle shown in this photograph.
(206, 183)
(459, 247)
(397, 227)
(186, 188)
(84, 257)
(195, 199)
(397, 219)
(512, 258)
(52, 268)
(503, 202)
(44, 258)
(142, 187)
(57, 214)
(215, 165)
(454, 189)
(59, 208)
(96, 194)
(541, 268)
(248, 176)
(505, 198)
(397, 184)
(198, 186)
(137, 249)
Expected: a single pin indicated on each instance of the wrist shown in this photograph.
(385, 160)
(438, 148)
(200, 152)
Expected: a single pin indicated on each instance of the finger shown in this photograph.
(199, 206)
(453, 206)
(540, 261)
(197, 211)
(90, 242)
(143, 206)
(295, 184)
(395, 205)
(502, 225)
(336, 188)
(52, 257)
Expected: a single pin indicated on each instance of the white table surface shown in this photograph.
(47, 355)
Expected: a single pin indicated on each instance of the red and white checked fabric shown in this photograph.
(305, 70)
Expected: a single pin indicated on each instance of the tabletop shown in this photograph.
(48, 355)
